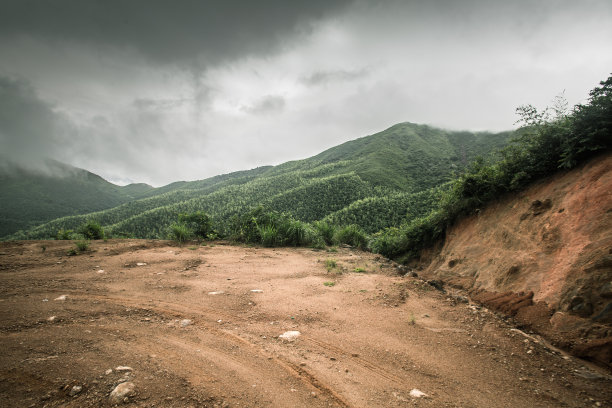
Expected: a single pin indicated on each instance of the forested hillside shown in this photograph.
(29, 198)
(374, 181)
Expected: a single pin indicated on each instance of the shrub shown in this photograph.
(179, 233)
(326, 231)
(352, 235)
(82, 246)
(269, 236)
(63, 234)
(92, 230)
(198, 223)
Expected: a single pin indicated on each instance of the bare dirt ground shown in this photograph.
(201, 326)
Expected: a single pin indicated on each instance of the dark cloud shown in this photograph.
(208, 31)
(325, 77)
(31, 130)
(266, 105)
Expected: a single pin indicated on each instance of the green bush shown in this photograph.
(352, 235)
(179, 233)
(91, 230)
(269, 236)
(198, 223)
(82, 246)
(64, 234)
(326, 231)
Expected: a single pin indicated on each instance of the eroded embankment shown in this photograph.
(543, 256)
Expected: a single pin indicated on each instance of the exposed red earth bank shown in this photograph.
(543, 256)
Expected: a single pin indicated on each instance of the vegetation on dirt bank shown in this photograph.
(548, 142)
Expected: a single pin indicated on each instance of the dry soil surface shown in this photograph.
(202, 326)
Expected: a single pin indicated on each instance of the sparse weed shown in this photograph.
(330, 264)
(329, 284)
(360, 270)
(412, 319)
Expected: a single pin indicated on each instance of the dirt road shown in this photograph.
(202, 326)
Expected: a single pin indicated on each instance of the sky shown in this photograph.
(160, 91)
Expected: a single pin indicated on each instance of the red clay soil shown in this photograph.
(544, 257)
(202, 326)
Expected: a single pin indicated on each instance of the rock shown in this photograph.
(414, 393)
(123, 368)
(605, 315)
(122, 391)
(75, 390)
(256, 291)
(186, 322)
(63, 297)
(461, 299)
(100, 271)
(51, 319)
(141, 264)
(581, 306)
(290, 335)
(606, 290)
(438, 284)
(216, 293)
(109, 371)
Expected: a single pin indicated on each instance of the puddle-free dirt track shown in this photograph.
(199, 326)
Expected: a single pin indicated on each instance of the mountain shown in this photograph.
(31, 197)
(374, 180)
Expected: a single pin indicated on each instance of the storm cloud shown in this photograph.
(158, 91)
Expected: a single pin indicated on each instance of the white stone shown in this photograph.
(75, 390)
(63, 297)
(290, 335)
(121, 392)
(109, 371)
(123, 368)
(100, 271)
(141, 263)
(216, 293)
(51, 319)
(186, 322)
(256, 290)
(414, 393)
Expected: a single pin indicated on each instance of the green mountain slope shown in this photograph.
(28, 198)
(373, 181)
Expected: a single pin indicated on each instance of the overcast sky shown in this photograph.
(160, 91)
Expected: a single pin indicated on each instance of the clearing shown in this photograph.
(202, 326)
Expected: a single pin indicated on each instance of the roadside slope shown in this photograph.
(544, 256)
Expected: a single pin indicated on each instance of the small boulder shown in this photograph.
(121, 392)
(75, 390)
(414, 393)
(290, 335)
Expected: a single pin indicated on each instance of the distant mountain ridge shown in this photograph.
(389, 171)
(31, 197)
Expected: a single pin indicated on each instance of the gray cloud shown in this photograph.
(267, 105)
(325, 77)
(158, 91)
(31, 130)
(207, 31)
